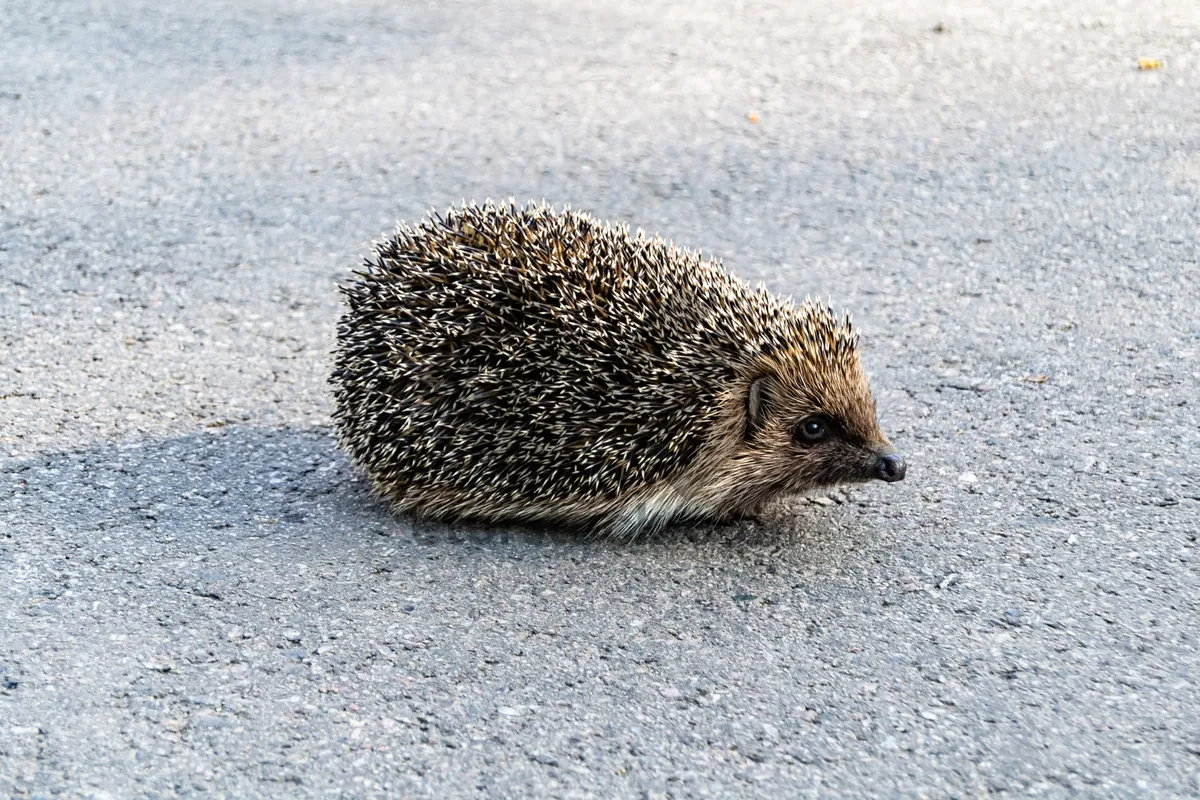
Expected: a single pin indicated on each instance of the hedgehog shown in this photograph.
(505, 364)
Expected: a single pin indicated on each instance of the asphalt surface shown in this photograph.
(198, 595)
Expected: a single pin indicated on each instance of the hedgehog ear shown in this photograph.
(758, 404)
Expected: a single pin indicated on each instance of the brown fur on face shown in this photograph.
(756, 456)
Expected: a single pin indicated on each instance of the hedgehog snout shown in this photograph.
(890, 468)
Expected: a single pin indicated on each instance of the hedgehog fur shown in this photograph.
(517, 364)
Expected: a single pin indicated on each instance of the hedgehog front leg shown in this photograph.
(744, 515)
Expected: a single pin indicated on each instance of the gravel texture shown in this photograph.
(198, 594)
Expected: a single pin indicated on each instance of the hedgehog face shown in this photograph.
(813, 425)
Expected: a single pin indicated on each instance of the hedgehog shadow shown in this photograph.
(782, 526)
(815, 541)
(228, 478)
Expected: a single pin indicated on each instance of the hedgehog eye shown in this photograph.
(812, 430)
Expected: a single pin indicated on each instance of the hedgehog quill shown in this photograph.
(518, 364)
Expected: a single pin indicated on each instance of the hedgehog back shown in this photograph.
(510, 356)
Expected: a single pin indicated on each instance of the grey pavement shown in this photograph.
(198, 595)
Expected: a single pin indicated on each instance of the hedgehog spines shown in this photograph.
(503, 362)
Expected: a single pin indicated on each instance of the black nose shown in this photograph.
(890, 469)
